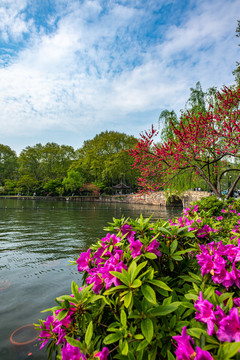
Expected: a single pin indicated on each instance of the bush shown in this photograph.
(147, 286)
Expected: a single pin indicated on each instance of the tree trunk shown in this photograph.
(233, 186)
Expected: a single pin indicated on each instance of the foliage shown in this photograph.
(8, 163)
(199, 147)
(73, 181)
(93, 189)
(147, 285)
(59, 169)
(44, 162)
(198, 102)
(105, 160)
(52, 186)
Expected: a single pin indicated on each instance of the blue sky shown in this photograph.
(70, 69)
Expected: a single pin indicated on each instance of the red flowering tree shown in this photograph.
(202, 145)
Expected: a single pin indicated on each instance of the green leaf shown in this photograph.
(149, 293)
(160, 284)
(68, 298)
(132, 269)
(173, 246)
(138, 336)
(170, 356)
(162, 310)
(125, 347)
(73, 342)
(196, 277)
(111, 338)
(150, 255)
(114, 289)
(89, 333)
(177, 258)
(210, 347)
(196, 332)
(191, 296)
(138, 269)
(136, 283)
(171, 266)
(147, 329)
(142, 345)
(123, 318)
(85, 291)
(62, 314)
(128, 299)
(165, 231)
(75, 290)
(190, 234)
(228, 350)
(122, 277)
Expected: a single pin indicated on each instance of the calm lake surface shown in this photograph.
(37, 241)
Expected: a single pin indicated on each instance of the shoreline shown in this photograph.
(155, 199)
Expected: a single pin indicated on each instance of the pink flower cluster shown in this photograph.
(109, 257)
(57, 330)
(185, 350)
(202, 231)
(220, 261)
(228, 326)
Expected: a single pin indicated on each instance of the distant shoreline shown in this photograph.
(128, 199)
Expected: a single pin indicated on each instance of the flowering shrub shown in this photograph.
(163, 290)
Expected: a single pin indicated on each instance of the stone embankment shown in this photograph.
(156, 198)
(159, 198)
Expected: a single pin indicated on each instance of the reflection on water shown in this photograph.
(37, 240)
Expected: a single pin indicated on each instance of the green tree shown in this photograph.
(46, 162)
(73, 181)
(30, 160)
(8, 163)
(104, 159)
(27, 184)
(197, 103)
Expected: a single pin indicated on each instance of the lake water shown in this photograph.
(37, 241)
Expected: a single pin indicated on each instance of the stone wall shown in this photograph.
(156, 198)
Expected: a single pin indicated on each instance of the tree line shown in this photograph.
(53, 169)
(200, 149)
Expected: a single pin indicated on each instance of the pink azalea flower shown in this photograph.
(102, 355)
(206, 313)
(205, 260)
(229, 327)
(97, 281)
(235, 273)
(47, 332)
(220, 314)
(202, 354)
(83, 261)
(128, 231)
(135, 247)
(70, 352)
(228, 280)
(152, 247)
(184, 348)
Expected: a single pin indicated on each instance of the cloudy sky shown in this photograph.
(70, 69)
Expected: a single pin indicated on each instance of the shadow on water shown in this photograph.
(37, 241)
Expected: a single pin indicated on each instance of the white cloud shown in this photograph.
(12, 19)
(81, 75)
